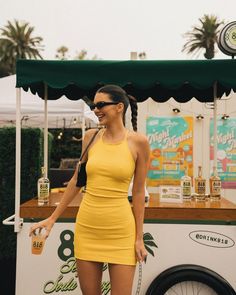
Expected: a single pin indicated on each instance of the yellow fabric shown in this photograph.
(105, 225)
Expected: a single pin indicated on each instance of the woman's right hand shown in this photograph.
(45, 224)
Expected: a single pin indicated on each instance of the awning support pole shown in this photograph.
(215, 123)
(18, 220)
(45, 153)
(83, 122)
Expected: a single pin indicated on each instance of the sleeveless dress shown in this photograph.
(105, 225)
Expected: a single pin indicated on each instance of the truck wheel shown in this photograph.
(189, 279)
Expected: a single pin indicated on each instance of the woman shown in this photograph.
(107, 229)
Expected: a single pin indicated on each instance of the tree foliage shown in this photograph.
(63, 54)
(142, 55)
(17, 41)
(203, 37)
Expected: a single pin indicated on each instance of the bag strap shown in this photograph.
(86, 149)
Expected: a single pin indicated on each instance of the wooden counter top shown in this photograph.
(154, 209)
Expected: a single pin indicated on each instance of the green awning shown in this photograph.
(161, 80)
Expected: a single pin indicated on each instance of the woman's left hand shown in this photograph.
(141, 252)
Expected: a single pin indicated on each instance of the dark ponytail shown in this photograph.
(117, 94)
(134, 111)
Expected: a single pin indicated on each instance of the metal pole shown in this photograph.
(128, 124)
(18, 161)
(215, 123)
(46, 129)
(83, 121)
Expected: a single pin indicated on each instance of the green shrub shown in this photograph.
(31, 161)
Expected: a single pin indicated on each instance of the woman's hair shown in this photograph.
(117, 94)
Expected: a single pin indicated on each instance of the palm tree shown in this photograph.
(81, 55)
(4, 70)
(16, 41)
(62, 53)
(4, 67)
(204, 36)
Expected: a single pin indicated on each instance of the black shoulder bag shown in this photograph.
(82, 176)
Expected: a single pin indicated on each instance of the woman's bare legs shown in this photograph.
(121, 277)
(90, 276)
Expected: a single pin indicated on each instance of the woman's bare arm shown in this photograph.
(138, 192)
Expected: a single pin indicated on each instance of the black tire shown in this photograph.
(188, 272)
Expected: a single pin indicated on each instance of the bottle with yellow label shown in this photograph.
(186, 186)
(200, 186)
(43, 188)
(215, 186)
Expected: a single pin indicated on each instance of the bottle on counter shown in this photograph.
(200, 186)
(43, 188)
(215, 186)
(186, 186)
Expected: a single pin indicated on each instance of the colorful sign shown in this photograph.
(226, 151)
(171, 142)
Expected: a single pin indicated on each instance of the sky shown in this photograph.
(111, 29)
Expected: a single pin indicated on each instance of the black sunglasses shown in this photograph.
(101, 104)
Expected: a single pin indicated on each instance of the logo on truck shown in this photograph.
(211, 239)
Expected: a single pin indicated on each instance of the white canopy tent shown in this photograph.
(62, 113)
(39, 113)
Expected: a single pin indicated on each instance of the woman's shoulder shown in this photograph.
(90, 133)
(138, 138)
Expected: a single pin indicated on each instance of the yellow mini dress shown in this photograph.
(105, 225)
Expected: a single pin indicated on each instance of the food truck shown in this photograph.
(191, 245)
